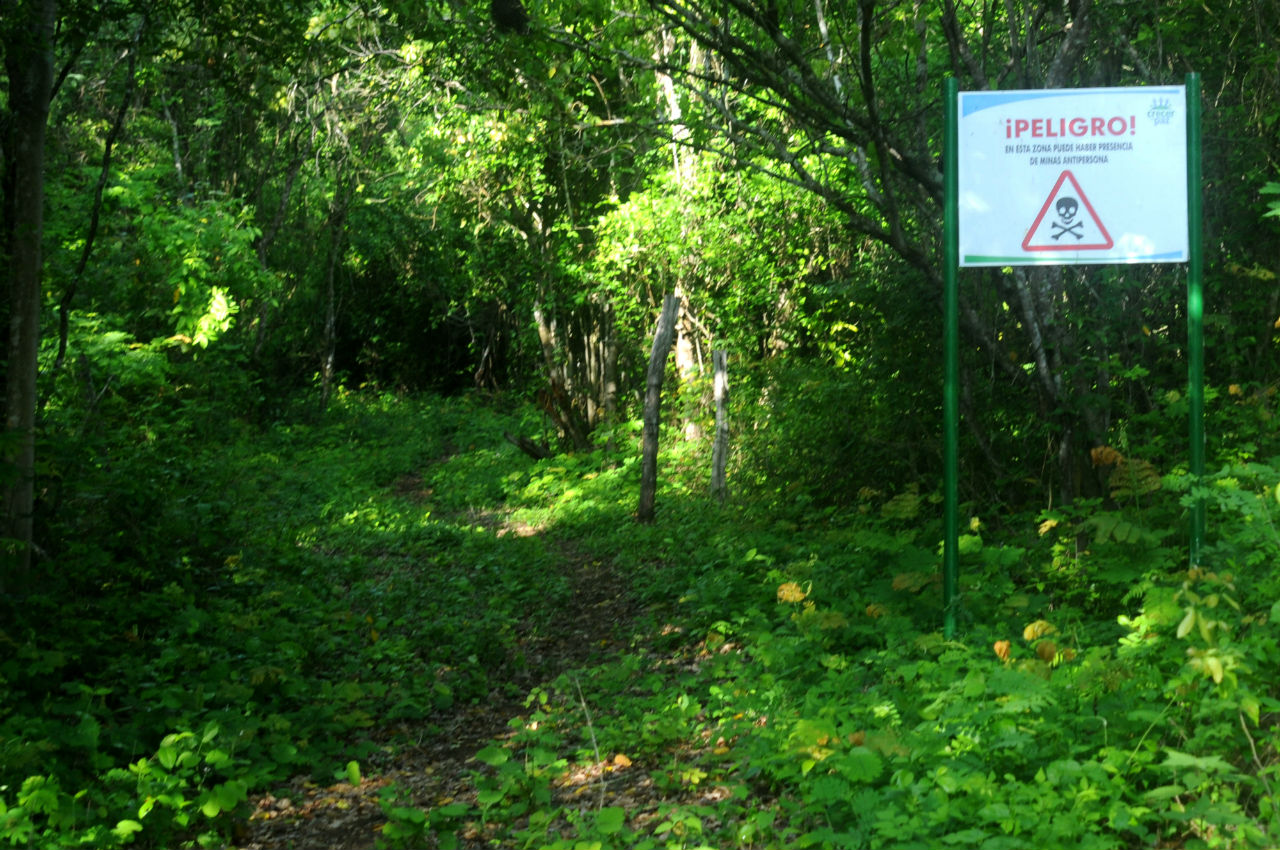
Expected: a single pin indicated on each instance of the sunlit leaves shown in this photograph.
(1037, 629)
(1047, 650)
(791, 592)
(493, 756)
(902, 506)
(611, 819)
(915, 581)
(1273, 207)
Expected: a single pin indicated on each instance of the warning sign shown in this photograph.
(1067, 221)
(1072, 176)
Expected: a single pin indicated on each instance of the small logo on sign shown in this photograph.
(1160, 112)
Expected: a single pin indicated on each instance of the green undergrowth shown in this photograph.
(296, 600)
(328, 582)
(792, 687)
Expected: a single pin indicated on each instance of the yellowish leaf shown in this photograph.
(1206, 627)
(791, 592)
(1104, 456)
(913, 582)
(1214, 666)
(1038, 629)
(1249, 705)
(902, 506)
(1187, 624)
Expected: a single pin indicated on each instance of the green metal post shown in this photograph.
(951, 370)
(1195, 309)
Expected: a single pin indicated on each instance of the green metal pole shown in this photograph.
(951, 346)
(1195, 309)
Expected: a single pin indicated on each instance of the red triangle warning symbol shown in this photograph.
(1067, 221)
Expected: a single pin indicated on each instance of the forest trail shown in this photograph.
(437, 768)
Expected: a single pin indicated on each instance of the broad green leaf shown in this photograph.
(493, 756)
(231, 792)
(969, 837)
(1274, 208)
(611, 819)
(861, 765)
(1184, 761)
(1250, 706)
(453, 810)
(167, 756)
(408, 813)
(490, 796)
(217, 758)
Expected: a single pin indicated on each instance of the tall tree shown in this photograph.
(26, 38)
(841, 97)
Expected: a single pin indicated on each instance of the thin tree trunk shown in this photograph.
(652, 406)
(720, 448)
(95, 209)
(609, 395)
(688, 369)
(680, 159)
(337, 233)
(28, 52)
(268, 236)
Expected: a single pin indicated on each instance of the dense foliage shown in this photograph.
(318, 597)
(280, 277)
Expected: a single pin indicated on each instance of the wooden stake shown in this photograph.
(720, 448)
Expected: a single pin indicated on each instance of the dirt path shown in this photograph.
(435, 767)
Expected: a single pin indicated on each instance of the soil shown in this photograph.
(432, 764)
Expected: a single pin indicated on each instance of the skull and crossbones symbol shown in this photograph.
(1067, 208)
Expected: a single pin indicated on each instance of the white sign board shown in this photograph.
(1073, 176)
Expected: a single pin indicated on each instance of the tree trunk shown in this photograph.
(28, 50)
(337, 237)
(95, 209)
(609, 366)
(720, 448)
(580, 351)
(652, 406)
(689, 369)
